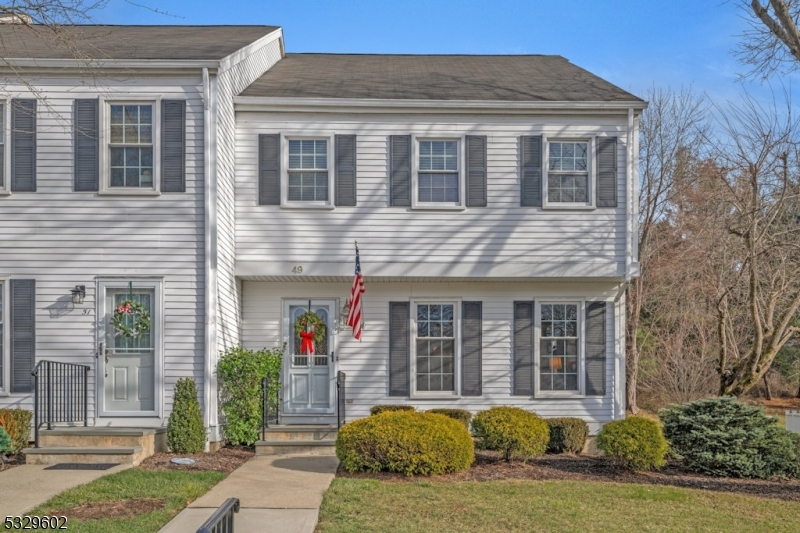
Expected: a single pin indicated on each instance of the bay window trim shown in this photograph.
(306, 136)
(415, 171)
(537, 342)
(104, 120)
(591, 163)
(435, 395)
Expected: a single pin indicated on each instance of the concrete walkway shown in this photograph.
(277, 494)
(24, 487)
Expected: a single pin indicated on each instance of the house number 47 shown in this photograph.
(297, 269)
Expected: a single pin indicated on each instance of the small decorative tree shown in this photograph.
(185, 430)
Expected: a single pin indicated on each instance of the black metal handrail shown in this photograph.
(60, 394)
(270, 404)
(340, 398)
(222, 519)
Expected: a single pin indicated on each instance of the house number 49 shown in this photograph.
(297, 269)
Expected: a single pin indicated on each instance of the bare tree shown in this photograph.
(772, 43)
(50, 13)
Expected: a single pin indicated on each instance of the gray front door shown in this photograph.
(308, 379)
(129, 365)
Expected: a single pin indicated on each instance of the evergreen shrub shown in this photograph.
(6, 443)
(462, 415)
(17, 423)
(185, 430)
(636, 442)
(378, 409)
(567, 435)
(511, 431)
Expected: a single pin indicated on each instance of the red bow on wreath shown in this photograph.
(307, 344)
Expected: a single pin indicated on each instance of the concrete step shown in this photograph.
(300, 433)
(285, 447)
(150, 439)
(130, 455)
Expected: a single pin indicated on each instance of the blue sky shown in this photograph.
(634, 44)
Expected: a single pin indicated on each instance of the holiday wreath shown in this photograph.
(131, 319)
(309, 322)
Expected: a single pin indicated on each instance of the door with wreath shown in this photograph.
(309, 332)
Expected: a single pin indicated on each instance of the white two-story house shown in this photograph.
(222, 183)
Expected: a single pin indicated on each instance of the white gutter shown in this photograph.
(111, 63)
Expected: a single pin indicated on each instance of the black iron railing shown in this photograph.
(340, 398)
(270, 404)
(222, 519)
(60, 394)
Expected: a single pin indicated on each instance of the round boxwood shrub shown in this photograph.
(462, 415)
(406, 442)
(567, 435)
(725, 437)
(511, 431)
(185, 430)
(636, 442)
(378, 409)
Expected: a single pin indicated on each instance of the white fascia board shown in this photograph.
(146, 64)
(227, 62)
(369, 105)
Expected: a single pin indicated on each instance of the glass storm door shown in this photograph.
(129, 376)
(308, 379)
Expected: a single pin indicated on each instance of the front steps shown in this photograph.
(299, 439)
(96, 445)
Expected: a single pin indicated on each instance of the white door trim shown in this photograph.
(101, 285)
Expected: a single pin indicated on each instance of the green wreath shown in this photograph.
(317, 325)
(131, 319)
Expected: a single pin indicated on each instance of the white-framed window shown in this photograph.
(438, 177)
(308, 175)
(560, 360)
(130, 147)
(569, 179)
(5, 358)
(5, 163)
(436, 347)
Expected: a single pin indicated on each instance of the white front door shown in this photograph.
(128, 365)
(308, 385)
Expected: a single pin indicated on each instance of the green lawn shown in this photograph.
(178, 488)
(364, 505)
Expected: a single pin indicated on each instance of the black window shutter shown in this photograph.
(400, 170)
(87, 148)
(471, 348)
(399, 353)
(23, 145)
(476, 171)
(269, 169)
(531, 179)
(596, 348)
(607, 172)
(523, 349)
(23, 333)
(173, 146)
(345, 170)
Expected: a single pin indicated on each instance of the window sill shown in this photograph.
(433, 397)
(569, 207)
(558, 396)
(323, 207)
(5, 193)
(126, 192)
(434, 207)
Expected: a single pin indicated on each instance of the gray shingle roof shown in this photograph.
(516, 78)
(18, 41)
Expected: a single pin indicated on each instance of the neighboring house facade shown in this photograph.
(222, 183)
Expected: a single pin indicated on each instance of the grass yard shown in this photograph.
(150, 487)
(367, 505)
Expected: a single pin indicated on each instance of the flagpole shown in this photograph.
(362, 305)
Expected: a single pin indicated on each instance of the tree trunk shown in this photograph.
(767, 391)
(798, 391)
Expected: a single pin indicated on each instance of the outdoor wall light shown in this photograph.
(343, 314)
(78, 294)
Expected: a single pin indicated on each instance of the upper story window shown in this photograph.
(438, 171)
(308, 170)
(435, 344)
(559, 353)
(569, 173)
(3, 343)
(131, 146)
(4, 185)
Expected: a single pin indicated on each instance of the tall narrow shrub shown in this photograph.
(185, 430)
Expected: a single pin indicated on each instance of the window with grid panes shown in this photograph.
(435, 348)
(131, 146)
(568, 172)
(438, 172)
(2, 151)
(559, 347)
(2, 338)
(308, 170)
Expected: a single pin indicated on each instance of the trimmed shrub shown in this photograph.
(240, 372)
(725, 437)
(185, 430)
(378, 409)
(406, 442)
(567, 435)
(462, 415)
(511, 431)
(636, 442)
(6, 444)
(17, 423)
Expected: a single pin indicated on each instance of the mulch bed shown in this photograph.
(13, 460)
(489, 466)
(112, 509)
(226, 459)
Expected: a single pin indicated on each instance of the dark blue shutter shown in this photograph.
(471, 348)
(400, 170)
(596, 348)
(523, 349)
(173, 146)
(85, 123)
(476, 171)
(607, 172)
(23, 333)
(269, 169)
(531, 170)
(399, 352)
(345, 170)
(23, 145)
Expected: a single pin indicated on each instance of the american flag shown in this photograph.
(355, 318)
